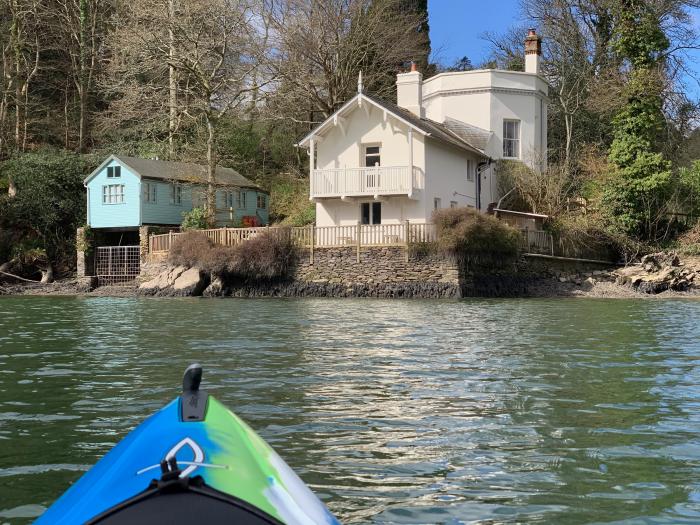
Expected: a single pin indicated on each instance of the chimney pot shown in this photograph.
(414, 67)
(533, 52)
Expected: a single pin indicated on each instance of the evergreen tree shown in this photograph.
(640, 176)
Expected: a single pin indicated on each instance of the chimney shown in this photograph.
(409, 91)
(533, 52)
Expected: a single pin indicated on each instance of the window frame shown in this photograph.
(454, 204)
(114, 172)
(372, 207)
(113, 194)
(378, 154)
(471, 171)
(175, 194)
(150, 193)
(514, 142)
(264, 201)
(437, 203)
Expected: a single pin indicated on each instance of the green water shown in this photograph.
(491, 411)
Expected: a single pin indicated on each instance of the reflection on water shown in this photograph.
(558, 411)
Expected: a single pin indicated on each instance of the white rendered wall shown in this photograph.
(485, 98)
(345, 150)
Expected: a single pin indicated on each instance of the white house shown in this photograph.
(376, 162)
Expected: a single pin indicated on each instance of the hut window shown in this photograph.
(175, 194)
(240, 197)
(114, 172)
(261, 202)
(149, 192)
(453, 204)
(113, 194)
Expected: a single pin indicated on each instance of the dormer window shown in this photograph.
(114, 172)
(373, 156)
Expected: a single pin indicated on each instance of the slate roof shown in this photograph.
(435, 129)
(184, 172)
(476, 136)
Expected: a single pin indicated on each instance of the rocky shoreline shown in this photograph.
(658, 275)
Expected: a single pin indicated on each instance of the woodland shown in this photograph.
(238, 82)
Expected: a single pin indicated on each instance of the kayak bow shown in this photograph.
(193, 461)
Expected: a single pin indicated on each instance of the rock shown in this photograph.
(656, 261)
(86, 284)
(215, 288)
(160, 282)
(190, 282)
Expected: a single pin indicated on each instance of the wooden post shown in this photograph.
(225, 243)
(406, 239)
(359, 232)
(551, 241)
(312, 237)
(170, 240)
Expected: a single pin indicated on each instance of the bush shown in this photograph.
(195, 219)
(269, 255)
(474, 238)
(189, 249)
(588, 237)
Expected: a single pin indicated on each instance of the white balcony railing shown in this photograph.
(381, 180)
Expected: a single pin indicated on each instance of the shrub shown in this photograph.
(474, 238)
(195, 219)
(189, 249)
(588, 237)
(267, 256)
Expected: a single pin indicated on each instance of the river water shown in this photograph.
(491, 411)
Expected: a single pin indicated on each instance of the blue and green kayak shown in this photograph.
(193, 461)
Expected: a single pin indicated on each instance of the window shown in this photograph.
(175, 194)
(372, 156)
(371, 213)
(114, 172)
(149, 192)
(229, 199)
(453, 204)
(261, 202)
(240, 198)
(113, 194)
(470, 170)
(511, 139)
(437, 203)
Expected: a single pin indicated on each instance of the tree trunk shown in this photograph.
(211, 170)
(82, 75)
(47, 273)
(172, 74)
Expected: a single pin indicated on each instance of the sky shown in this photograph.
(456, 26)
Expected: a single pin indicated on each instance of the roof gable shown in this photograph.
(424, 126)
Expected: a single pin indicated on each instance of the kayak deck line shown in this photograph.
(180, 462)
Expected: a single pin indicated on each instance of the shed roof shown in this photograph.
(178, 172)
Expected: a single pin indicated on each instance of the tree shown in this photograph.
(49, 204)
(323, 45)
(641, 177)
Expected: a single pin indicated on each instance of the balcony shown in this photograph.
(366, 182)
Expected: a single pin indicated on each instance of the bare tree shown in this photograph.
(322, 45)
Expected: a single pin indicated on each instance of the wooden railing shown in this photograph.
(319, 236)
(380, 180)
(537, 241)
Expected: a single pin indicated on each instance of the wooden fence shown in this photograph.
(314, 236)
(356, 235)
